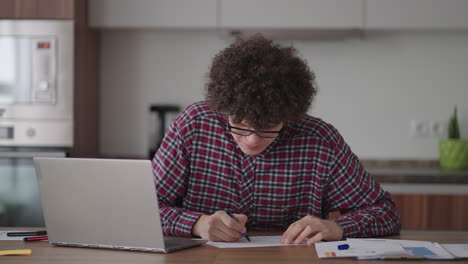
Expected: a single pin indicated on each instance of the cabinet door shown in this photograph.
(297, 14)
(36, 9)
(153, 13)
(432, 212)
(7, 9)
(416, 14)
(57, 9)
(86, 94)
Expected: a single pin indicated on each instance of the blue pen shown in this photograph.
(243, 234)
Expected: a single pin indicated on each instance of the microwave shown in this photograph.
(36, 83)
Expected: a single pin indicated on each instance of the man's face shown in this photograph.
(253, 144)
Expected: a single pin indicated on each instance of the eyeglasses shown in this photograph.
(248, 132)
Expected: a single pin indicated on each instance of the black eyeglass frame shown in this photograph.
(250, 132)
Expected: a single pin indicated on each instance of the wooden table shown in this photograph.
(43, 252)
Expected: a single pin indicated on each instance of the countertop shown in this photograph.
(418, 175)
(413, 172)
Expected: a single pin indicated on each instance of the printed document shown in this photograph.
(361, 249)
(458, 250)
(383, 249)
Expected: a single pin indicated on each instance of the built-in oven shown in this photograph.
(36, 109)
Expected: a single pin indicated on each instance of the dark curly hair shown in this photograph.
(260, 82)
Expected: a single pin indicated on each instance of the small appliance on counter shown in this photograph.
(36, 110)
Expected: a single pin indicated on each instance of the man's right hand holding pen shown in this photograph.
(220, 226)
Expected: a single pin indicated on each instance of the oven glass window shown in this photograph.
(20, 204)
(15, 70)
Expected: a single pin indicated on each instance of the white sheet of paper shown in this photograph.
(3, 235)
(458, 250)
(357, 248)
(427, 249)
(436, 251)
(257, 241)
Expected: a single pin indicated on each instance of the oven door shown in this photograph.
(27, 70)
(20, 205)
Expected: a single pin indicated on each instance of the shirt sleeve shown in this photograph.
(366, 209)
(171, 170)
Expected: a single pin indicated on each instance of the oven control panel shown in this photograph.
(6, 132)
(44, 70)
(36, 133)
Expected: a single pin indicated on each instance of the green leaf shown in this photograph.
(454, 129)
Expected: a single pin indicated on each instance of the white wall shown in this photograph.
(370, 89)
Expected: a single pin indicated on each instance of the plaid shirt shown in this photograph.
(307, 170)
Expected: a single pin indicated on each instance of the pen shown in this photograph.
(243, 234)
(36, 238)
(28, 233)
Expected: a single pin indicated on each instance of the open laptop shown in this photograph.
(103, 203)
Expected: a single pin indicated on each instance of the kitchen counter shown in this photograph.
(418, 175)
(413, 171)
(421, 180)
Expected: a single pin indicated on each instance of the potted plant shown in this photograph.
(453, 152)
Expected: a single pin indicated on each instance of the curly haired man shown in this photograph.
(252, 149)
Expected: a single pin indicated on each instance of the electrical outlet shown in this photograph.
(420, 128)
(438, 128)
(428, 128)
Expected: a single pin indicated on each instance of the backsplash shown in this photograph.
(369, 89)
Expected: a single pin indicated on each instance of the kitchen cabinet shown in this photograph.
(416, 14)
(426, 197)
(291, 14)
(36, 9)
(86, 97)
(432, 212)
(7, 9)
(275, 14)
(164, 14)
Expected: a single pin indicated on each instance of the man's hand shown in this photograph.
(220, 227)
(313, 228)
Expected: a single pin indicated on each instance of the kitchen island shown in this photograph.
(426, 197)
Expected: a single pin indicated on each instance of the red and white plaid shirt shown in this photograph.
(307, 170)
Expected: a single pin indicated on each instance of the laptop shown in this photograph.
(103, 203)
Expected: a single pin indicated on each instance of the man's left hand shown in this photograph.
(313, 228)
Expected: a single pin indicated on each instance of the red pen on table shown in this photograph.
(36, 238)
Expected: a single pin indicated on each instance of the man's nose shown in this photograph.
(253, 139)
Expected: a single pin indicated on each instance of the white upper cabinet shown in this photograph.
(167, 14)
(280, 14)
(291, 14)
(416, 14)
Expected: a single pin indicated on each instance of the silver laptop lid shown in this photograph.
(104, 202)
